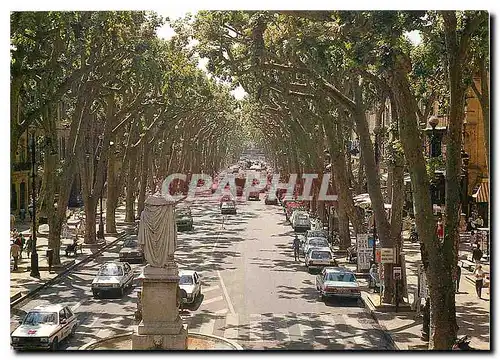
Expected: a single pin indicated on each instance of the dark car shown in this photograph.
(228, 207)
(253, 195)
(131, 252)
(269, 201)
(184, 219)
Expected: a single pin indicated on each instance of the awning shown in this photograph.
(482, 194)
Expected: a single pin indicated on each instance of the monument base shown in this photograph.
(161, 342)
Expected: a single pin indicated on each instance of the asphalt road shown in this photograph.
(252, 289)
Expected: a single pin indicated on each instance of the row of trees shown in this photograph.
(312, 76)
(134, 107)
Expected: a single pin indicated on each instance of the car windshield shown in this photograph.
(186, 280)
(317, 233)
(321, 255)
(130, 243)
(36, 317)
(227, 204)
(111, 270)
(344, 277)
(183, 212)
(302, 217)
(318, 243)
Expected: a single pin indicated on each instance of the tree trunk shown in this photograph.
(143, 178)
(113, 192)
(439, 283)
(344, 233)
(131, 188)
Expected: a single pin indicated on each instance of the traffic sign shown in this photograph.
(387, 255)
(396, 271)
(362, 241)
(364, 257)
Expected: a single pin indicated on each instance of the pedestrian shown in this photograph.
(479, 276)
(479, 222)
(458, 274)
(29, 246)
(440, 230)
(14, 252)
(19, 243)
(296, 246)
(477, 254)
(22, 214)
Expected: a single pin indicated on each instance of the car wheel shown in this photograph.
(96, 294)
(199, 292)
(121, 291)
(55, 344)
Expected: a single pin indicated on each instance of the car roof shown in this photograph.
(338, 270)
(323, 248)
(49, 308)
(186, 272)
(316, 238)
(117, 263)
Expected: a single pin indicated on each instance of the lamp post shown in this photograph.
(34, 255)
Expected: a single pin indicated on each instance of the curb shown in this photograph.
(384, 330)
(16, 296)
(129, 333)
(59, 276)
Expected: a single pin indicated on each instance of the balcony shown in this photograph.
(21, 166)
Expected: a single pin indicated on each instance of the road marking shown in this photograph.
(224, 290)
(232, 322)
(209, 301)
(221, 311)
(211, 288)
(208, 327)
(306, 331)
(77, 305)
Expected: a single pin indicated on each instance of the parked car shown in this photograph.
(318, 258)
(337, 281)
(228, 207)
(112, 277)
(131, 251)
(268, 201)
(190, 282)
(253, 195)
(301, 221)
(314, 242)
(184, 218)
(44, 327)
(317, 233)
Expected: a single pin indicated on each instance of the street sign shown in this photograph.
(364, 257)
(362, 241)
(396, 272)
(387, 255)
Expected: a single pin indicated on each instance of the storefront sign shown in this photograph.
(364, 258)
(362, 241)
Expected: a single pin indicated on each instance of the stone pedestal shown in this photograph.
(161, 326)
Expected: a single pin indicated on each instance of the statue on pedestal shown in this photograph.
(157, 231)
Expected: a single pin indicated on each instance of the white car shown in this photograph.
(190, 282)
(301, 221)
(44, 327)
(315, 242)
(339, 282)
(318, 258)
(113, 276)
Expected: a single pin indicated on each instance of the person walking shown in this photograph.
(296, 246)
(458, 274)
(440, 230)
(477, 254)
(479, 276)
(29, 246)
(19, 243)
(14, 252)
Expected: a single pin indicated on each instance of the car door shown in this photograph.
(71, 320)
(129, 275)
(63, 325)
(196, 283)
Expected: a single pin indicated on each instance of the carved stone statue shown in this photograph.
(157, 231)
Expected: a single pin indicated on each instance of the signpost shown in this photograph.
(397, 272)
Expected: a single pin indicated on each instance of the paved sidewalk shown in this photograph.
(21, 283)
(473, 314)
